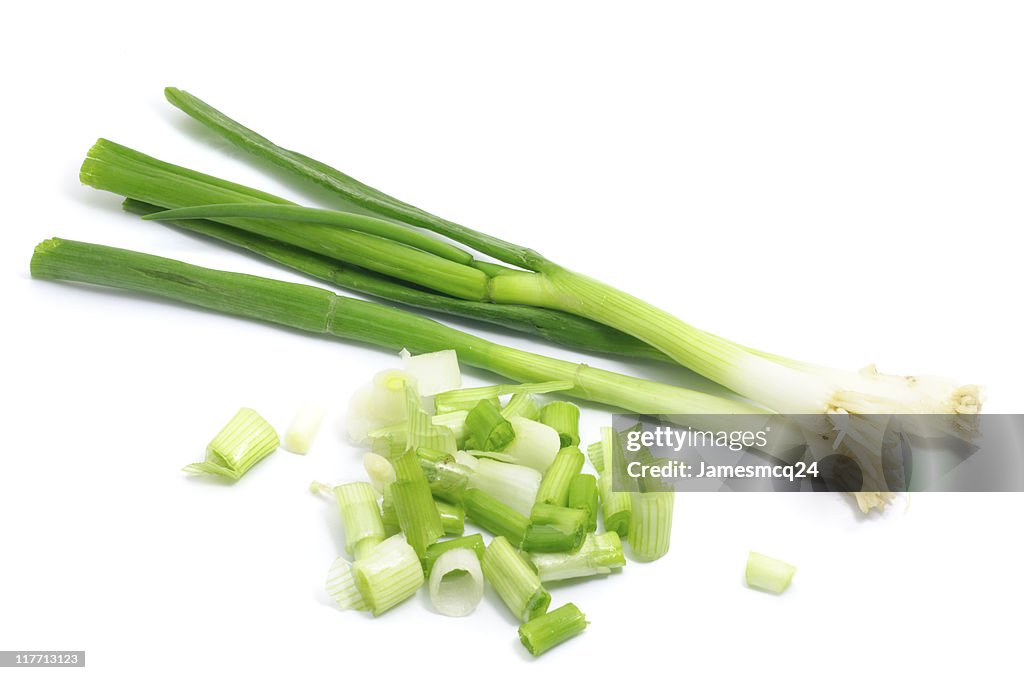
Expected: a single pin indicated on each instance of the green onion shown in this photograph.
(341, 586)
(522, 405)
(554, 485)
(468, 397)
(487, 429)
(378, 404)
(474, 542)
(319, 311)
(417, 513)
(564, 418)
(781, 384)
(447, 480)
(555, 529)
(488, 513)
(379, 469)
(435, 372)
(302, 431)
(456, 582)
(244, 441)
(389, 575)
(453, 518)
(650, 523)
(454, 421)
(514, 485)
(535, 444)
(365, 224)
(767, 573)
(583, 496)
(553, 628)
(421, 428)
(616, 506)
(599, 554)
(558, 327)
(514, 579)
(595, 454)
(360, 517)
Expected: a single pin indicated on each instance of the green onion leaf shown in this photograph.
(474, 542)
(453, 518)
(554, 486)
(360, 517)
(514, 579)
(523, 405)
(616, 506)
(341, 586)
(650, 524)
(390, 574)
(564, 418)
(490, 514)
(487, 429)
(555, 529)
(244, 441)
(553, 628)
(599, 554)
(583, 496)
(467, 398)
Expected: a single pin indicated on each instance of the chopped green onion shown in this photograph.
(583, 496)
(554, 485)
(553, 628)
(453, 518)
(487, 512)
(474, 542)
(417, 513)
(360, 517)
(523, 405)
(456, 583)
(616, 506)
(535, 444)
(595, 454)
(454, 421)
(388, 514)
(650, 524)
(244, 441)
(390, 574)
(514, 485)
(467, 460)
(448, 480)
(378, 404)
(599, 554)
(341, 586)
(555, 529)
(422, 430)
(564, 418)
(379, 469)
(390, 442)
(514, 580)
(467, 398)
(302, 431)
(487, 429)
(435, 372)
(767, 573)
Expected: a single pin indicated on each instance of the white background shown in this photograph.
(840, 182)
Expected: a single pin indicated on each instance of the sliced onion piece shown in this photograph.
(456, 583)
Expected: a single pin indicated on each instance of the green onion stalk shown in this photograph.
(532, 281)
(320, 311)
